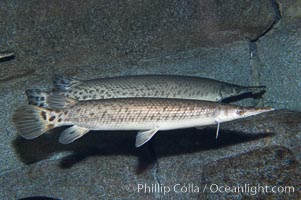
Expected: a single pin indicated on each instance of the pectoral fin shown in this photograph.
(217, 130)
(144, 136)
(72, 133)
(218, 121)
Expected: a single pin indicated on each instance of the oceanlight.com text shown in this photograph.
(211, 188)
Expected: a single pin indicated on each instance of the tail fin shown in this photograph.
(37, 97)
(62, 83)
(32, 121)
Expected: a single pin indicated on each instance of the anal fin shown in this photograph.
(71, 134)
(144, 136)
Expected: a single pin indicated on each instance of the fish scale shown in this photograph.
(167, 86)
(148, 115)
(140, 110)
(142, 86)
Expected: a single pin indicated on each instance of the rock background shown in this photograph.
(242, 42)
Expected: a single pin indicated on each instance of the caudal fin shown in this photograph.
(62, 83)
(32, 121)
(37, 97)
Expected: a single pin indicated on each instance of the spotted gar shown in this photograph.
(147, 115)
(155, 86)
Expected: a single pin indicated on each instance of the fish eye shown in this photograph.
(240, 112)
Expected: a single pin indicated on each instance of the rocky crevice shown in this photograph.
(254, 57)
(155, 169)
(277, 18)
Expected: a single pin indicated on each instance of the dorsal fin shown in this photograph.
(62, 83)
(43, 99)
(37, 97)
(56, 101)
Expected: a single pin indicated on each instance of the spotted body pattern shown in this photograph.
(155, 86)
(138, 113)
(142, 86)
(148, 115)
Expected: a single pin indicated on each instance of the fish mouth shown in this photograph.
(254, 89)
(6, 54)
(256, 111)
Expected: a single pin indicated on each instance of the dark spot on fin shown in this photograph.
(52, 118)
(30, 121)
(43, 114)
(72, 133)
(37, 97)
(62, 83)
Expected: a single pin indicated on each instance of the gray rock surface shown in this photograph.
(243, 42)
(185, 157)
(277, 166)
(279, 60)
(83, 33)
